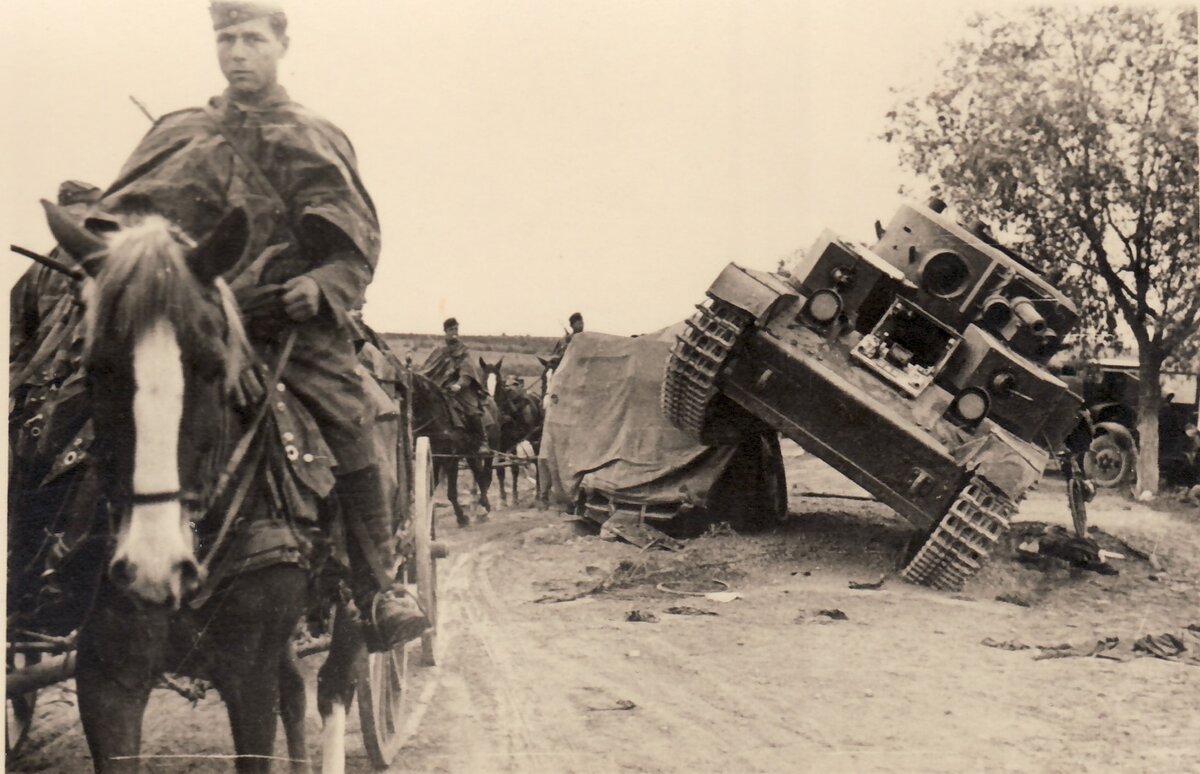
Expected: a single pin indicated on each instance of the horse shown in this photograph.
(547, 379)
(164, 351)
(450, 442)
(520, 420)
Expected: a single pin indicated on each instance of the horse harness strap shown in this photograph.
(239, 454)
(153, 498)
(253, 168)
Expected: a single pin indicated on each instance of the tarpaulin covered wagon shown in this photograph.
(607, 449)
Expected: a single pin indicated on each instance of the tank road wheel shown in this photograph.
(690, 390)
(18, 712)
(960, 543)
(1107, 463)
(385, 681)
(428, 551)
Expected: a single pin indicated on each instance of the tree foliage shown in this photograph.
(1075, 131)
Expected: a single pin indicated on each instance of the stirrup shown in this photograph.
(400, 627)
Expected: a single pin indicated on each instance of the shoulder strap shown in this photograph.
(255, 171)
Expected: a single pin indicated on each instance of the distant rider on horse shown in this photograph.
(452, 368)
(560, 347)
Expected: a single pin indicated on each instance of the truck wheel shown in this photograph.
(1107, 463)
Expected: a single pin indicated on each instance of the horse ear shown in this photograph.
(221, 249)
(545, 363)
(82, 245)
(482, 364)
(499, 363)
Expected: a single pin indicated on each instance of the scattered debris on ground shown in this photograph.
(822, 616)
(641, 616)
(622, 705)
(628, 528)
(1004, 645)
(1182, 647)
(711, 586)
(867, 586)
(689, 610)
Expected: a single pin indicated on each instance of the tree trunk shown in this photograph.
(1149, 401)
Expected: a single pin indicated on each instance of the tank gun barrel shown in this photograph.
(1029, 316)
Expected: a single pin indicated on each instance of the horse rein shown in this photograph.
(239, 454)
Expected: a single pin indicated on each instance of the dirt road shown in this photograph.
(539, 675)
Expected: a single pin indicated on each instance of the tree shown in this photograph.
(1075, 131)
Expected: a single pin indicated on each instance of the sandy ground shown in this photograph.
(766, 684)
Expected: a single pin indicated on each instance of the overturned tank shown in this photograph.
(917, 367)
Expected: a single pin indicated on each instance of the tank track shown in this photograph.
(958, 546)
(700, 352)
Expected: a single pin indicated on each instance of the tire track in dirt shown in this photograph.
(559, 675)
(492, 715)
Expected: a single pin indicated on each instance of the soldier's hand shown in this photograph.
(301, 298)
(455, 388)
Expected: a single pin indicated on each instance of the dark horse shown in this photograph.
(164, 354)
(433, 417)
(520, 421)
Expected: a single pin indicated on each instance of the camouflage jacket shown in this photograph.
(295, 175)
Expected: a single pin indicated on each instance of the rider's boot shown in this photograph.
(475, 427)
(391, 616)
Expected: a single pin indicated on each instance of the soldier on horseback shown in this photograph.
(560, 347)
(313, 246)
(451, 367)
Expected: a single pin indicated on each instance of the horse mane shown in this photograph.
(144, 279)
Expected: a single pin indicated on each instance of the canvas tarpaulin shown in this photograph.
(604, 430)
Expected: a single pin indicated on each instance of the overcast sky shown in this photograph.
(528, 159)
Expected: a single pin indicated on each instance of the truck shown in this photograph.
(1109, 387)
(917, 366)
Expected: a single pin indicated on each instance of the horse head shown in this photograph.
(163, 347)
(492, 377)
(548, 369)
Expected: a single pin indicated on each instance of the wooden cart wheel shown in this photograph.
(18, 712)
(425, 547)
(383, 681)
(382, 693)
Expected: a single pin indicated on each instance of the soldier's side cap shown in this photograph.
(575, 316)
(77, 192)
(450, 323)
(226, 13)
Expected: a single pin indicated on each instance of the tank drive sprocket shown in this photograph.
(962, 540)
(690, 385)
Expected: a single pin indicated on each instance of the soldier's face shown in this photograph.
(577, 326)
(452, 334)
(249, 54)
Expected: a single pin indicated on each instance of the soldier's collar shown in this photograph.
(275, 96)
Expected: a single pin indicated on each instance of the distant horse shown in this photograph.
(433, 417)
(164, 350)
(548, 369)
(520, 419)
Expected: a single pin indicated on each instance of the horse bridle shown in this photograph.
(151, 498)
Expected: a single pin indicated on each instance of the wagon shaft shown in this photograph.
(41, 675)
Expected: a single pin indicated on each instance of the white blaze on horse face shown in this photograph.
(546, 396)
(155, 542)
(491, 383)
